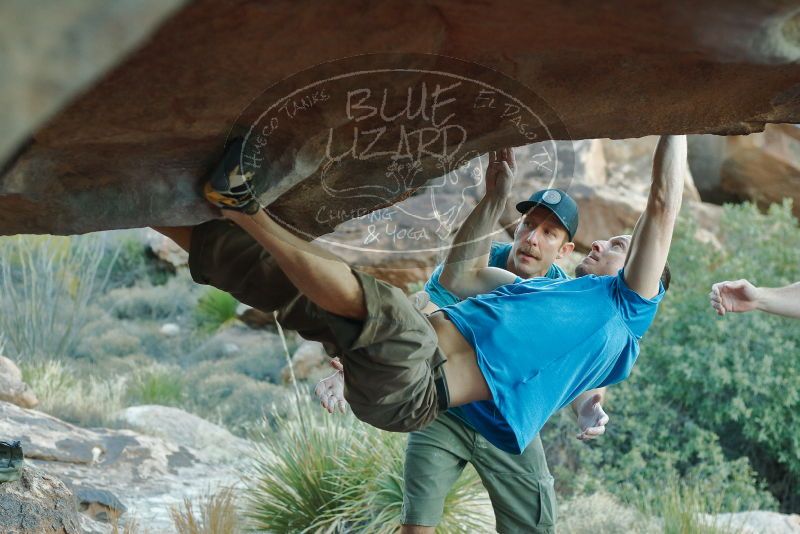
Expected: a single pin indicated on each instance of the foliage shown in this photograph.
(148, 302)
(231, 399)
(157, 384)
(713, 400)
(131, 263)
(322, 473)
(600, 513)
(681, 507)
(215, 308)
(47, 284)
(217, 514)
(87, 402)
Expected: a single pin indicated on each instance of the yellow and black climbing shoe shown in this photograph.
(11, 460)
(228, 187)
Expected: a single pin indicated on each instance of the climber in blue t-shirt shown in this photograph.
(530, 346)
(587, 329)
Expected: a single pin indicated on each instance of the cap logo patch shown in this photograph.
(551, 197)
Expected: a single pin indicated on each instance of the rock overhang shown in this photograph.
(132, 148)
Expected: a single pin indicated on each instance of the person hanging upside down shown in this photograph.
(404, 368)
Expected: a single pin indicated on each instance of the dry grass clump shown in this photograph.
(600, 513)
(215, 514)
(84, 401)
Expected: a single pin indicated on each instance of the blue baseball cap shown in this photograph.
(559, 202)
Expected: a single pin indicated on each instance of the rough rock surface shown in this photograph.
(759, 167)
(309, 362)
(37, 503)
(12, 388)
(166, 250)
(756, 522)
(148, 474)
(52, 51)
(187, 429)
(131, 149)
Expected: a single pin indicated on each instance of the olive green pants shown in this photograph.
(520, 486)
(393, 375)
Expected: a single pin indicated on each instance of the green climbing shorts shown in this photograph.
(520, 486)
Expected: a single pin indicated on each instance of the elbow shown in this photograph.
(449, 282)
(454, 283)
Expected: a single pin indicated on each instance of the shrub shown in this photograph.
(231, 399)
(680, 507)
(132, 262)
(112, 342)
(157, 303)
(711, 400)
(215, 308)
(47, 283)
(325, 473)
(600, 513)
(157, 385)
(217, 515)
(88, 402)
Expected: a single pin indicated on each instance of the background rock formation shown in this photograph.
(761, 167)
(131, 148)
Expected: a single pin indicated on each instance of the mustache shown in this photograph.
(528, 251)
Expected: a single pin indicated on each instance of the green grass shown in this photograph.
(157, 385)
(84, 401)
(214, 309)
(681, 505)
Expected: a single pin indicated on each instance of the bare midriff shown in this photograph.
(465, 380)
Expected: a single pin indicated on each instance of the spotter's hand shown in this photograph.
(592, 419)
(330, 390)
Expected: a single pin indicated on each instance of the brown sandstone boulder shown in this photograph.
(12, 388)
(762, 167)
(309, 362)
(131, 149)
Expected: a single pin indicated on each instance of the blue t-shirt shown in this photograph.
(540, 343)
(498, 256)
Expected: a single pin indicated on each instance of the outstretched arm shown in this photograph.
(653, 233)
(466, 272)
(742, 296)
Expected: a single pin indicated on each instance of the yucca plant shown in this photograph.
(332, 474)
(215, 308)
(46, 285)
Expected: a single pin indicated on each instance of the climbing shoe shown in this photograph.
(227, 187)
(11, 460)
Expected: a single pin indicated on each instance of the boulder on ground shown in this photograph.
(184, 429)
(754, 522)
(12, 388)
(166, 250)
(37, 503)
(309, 362)
(99, 504)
